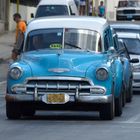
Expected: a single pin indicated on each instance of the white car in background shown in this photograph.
(55, 8)
(128, 10)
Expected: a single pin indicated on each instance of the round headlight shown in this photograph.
(101, 74)
(15, 73)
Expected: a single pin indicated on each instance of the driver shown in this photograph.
(37, 42)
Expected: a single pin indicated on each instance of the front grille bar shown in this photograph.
(58, 86)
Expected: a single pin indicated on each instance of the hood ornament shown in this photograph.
(58, 70)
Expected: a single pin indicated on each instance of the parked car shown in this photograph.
(128, 10)
(132, 41)
(47, 8)
(127, 68)
(67, 63)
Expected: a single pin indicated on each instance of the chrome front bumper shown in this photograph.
(82, 99)
(86, 93)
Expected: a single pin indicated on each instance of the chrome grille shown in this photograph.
(42, 86)
(129, 11)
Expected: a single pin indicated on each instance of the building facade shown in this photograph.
(4, 11)
(110, 8)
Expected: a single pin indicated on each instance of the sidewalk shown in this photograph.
(6, 45)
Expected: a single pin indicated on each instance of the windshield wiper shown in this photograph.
(72, 45)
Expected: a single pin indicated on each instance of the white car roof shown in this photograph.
(54, 2)
(90, 23)
(128, 35)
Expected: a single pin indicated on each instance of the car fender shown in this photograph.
(118, 77)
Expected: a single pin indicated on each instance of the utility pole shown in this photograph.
(17, 6)
(7, 4)
(87, 7)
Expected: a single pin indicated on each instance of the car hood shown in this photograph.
(65, 63)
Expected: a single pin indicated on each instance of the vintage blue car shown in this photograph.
(127, 68)
(67, 63)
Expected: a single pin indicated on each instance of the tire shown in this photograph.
(107, 111)
(27, 110)
(118, 105)
(124, 92)
(130, 93)
(13, 110)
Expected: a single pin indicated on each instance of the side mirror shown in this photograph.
(111, 50)
(32, 15)
(134, 60)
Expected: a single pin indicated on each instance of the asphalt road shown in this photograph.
(69, 125)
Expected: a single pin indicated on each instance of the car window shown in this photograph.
(122, 45)
(44, 39)
(108, 39)
(116, 45)
(130, 3)
(51, 10)
(85, 39)
(63, 38)
(133, 45)
(127, 30)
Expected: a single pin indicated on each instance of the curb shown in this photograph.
(3, 60)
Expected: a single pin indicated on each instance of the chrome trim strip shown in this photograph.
(58, 70)
(95, 99)
(59, 78)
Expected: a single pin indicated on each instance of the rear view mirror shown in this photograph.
(32, 15)
(134, 60)
(112, 50)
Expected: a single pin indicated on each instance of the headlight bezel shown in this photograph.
(15, 72)
(102, 77)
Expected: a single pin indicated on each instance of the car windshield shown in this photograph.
(63, 38)
(130, 3)
(127, 30)
(133, 45)
(51, 10)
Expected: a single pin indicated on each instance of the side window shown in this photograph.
(116, 44)
(100, 45)
(106, 41)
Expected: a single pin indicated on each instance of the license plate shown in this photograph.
(55, 98)
(58, 98)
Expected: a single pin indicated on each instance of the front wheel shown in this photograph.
(13, 110)
(107, 111)
(130, 93)
(118, 105)
(27, 110)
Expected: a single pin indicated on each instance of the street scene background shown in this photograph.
(52, 125)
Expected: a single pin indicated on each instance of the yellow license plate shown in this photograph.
(55, 98)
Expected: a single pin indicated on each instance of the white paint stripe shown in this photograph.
(3, 82)
(133, 119)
